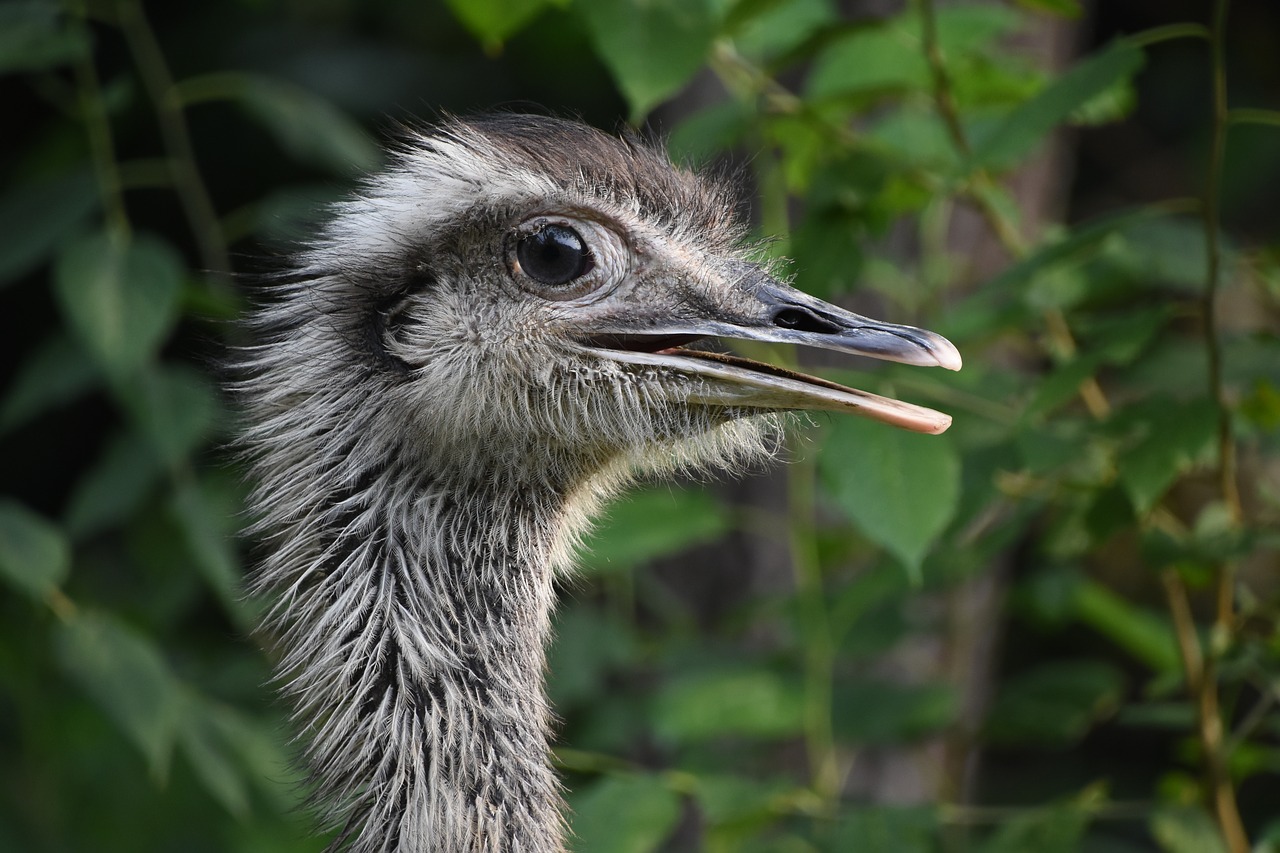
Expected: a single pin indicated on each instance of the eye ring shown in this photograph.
(554, 255)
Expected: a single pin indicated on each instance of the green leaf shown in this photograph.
(116, 485)
(1163, 252)
(828, 259)
(881, 711)
(708, 133)
(128, 678)
(34, 37)
(874, 588)
(803, 149)
(889, 56)
(755, 703)
(212, 549)
(778, 27)
(1176, 437)
(35, 217)
(970, 29)
(1177, 717)
(1268, 838)
(915, 137)
(1261, 406)
(588, 644)
(1144, 634)
(289, 216)
(1048, 447)
(984, 88)
(881, 58)
(652, 47)
(175, 406)
(1112, 104)
(875, 632)
(494, 21)
(1063, 384)
(899, 488)
(120, 296)
(845, 201)
(34, 555)
(1186, 829)
(204, 745)
(1061, 8)
(653, 524)
(1024, 128)
(1058, 829)
(1054, 703)
(726, 799)
(1216, 538)
(1123, 336)
(624, 814)
(888, 829)
(53, 374)
(263, 754)
(307, 126)
(1080, 244)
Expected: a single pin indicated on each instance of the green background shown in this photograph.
(1022, 635)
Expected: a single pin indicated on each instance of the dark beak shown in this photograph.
(776, 313)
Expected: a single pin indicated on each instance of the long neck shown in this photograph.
(417, 615)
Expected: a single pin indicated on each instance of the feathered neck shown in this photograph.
(417, 613)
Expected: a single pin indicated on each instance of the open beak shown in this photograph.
(780, 314)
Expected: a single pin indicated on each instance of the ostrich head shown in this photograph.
(493, 335)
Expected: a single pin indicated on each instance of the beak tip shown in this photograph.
(946, 354)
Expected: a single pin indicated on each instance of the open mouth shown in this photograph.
(738, 381)
(676, 345)
(641, 343)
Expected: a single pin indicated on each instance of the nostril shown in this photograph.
(788, 318)
(804, 320)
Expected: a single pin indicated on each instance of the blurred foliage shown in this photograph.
(1112, 468)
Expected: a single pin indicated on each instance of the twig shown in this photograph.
(942, 80)
(1200, 670)
(93, 112)
(978, 191)
(192, 193)
(1209, 716)
(819, 651)
(1250, 115)
(1213, 277)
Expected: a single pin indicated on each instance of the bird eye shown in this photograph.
(554, 255)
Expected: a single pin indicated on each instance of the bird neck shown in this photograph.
(415, 656)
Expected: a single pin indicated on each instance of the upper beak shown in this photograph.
(778, 313)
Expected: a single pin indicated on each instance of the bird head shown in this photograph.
(526, 286)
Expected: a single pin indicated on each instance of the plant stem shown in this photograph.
(1205, 691)
(1247, 115)
(1200, 669)
(1169, 32)
(942, 80)
(819, 651)
(192, 193)
(1213, 277)
(93, 113)
(979, 191)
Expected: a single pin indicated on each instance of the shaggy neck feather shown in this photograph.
(415, 659)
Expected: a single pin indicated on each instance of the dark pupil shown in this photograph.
(553, 255)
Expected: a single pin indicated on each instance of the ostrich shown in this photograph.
(493, 336)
